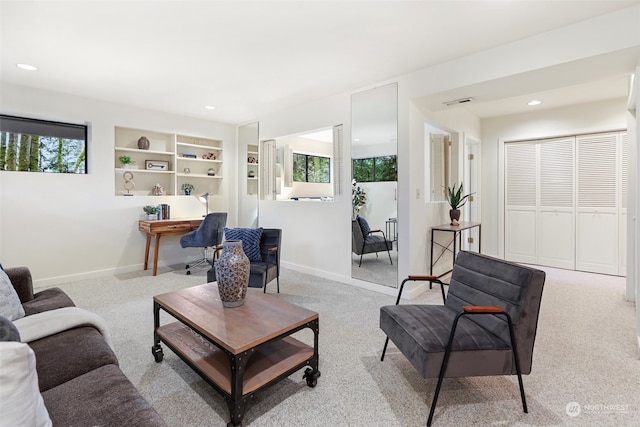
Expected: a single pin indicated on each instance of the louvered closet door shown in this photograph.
(520, 201)
(597, 247)
(556, 238)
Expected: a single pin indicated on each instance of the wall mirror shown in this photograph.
(248, 179)
(374, 149)
(304, 166)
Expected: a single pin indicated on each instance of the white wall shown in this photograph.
(66, 227)
(580, 119)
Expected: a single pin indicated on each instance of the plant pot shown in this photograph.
(454, 214)
(187, 192)
(152, 217)
(232, 274)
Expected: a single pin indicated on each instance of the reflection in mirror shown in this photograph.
(438, 155)
(304, 166)
(374, 149)
(249, 161)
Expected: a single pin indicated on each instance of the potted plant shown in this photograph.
(151, 211)
(126, 161)
(456, 201)
(187, 188)
(358, 198)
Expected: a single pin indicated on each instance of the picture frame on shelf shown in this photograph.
(157, 165)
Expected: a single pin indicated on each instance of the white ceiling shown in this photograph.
(251, 57)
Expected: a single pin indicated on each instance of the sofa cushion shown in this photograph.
(250, 238)
(10, 305)
(63, 356)
(8, 331)
(21, 403)
(101, 397)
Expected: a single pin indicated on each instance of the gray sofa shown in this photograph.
(78, 373)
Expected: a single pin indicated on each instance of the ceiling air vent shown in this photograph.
(458, 101)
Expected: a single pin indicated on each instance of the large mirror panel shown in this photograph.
(374, 149)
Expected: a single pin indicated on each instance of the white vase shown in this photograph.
(152, 217)
(232, 274)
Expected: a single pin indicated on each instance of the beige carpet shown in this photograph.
(585, 353)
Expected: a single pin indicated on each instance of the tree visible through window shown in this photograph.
(375, 169)
(42, 146)
(310, 168)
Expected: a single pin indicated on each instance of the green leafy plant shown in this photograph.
(455, 198)
(186, 187)
(358, 197)
(126, 160)
(150, 210)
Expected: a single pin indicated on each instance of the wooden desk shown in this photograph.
(164, 227)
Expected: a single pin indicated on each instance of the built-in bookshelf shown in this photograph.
(170, 161)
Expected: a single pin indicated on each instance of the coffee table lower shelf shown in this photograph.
(268, 363)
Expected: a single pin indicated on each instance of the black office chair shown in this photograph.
(207, 236)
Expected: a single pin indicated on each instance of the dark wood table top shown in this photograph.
(261, 317)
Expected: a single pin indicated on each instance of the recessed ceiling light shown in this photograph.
(27, 67)
(534, 102)
(209, 107)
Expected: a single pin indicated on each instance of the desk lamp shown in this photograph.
(204, 198)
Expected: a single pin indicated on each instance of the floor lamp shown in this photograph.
(204, 198)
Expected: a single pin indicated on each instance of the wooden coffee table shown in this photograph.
(240, 350)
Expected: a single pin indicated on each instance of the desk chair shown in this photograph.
(207, 235)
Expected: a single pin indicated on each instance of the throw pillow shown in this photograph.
(8, 331)
(10, 305)
(364, 226)
(21, 403)
(250, 238)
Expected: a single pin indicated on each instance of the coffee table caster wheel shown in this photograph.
(230, 424)
(188, 273)
(157, 352)
(311, 376)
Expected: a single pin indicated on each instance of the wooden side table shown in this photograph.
(163, 227)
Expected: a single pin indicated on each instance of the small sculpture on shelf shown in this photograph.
(143, 143)
(252, 160)
(157, 190)
(209, 156)
(128, 183)
(211, 172)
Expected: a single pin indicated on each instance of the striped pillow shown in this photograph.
(250, 238)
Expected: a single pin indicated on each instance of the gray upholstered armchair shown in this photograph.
(367, 241)
(491, 304)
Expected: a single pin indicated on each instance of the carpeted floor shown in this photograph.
(585, 353)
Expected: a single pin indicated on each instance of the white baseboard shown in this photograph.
(53, 281)
(409, 293)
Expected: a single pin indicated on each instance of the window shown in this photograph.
(310, 168)
(376, 169)
(42, 146)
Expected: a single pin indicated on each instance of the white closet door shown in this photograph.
(520, 201)
(597, 228)
(556, 238)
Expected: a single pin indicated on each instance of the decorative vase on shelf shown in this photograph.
(143, 143)
(232, 273)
